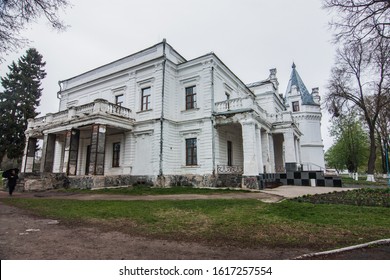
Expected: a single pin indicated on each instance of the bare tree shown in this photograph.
(16, 14)
(361, 78)
(365, 20)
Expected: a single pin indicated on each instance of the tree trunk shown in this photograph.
(372, 157)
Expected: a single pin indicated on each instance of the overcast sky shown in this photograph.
(249, 36)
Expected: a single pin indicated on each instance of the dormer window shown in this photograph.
(295, 106)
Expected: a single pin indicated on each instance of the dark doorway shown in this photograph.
(230, 153)
(88, 160)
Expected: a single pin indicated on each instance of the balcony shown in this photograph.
(238, 105)
(100, 109)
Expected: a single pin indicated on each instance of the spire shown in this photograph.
(295, 80)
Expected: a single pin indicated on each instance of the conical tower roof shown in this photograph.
(295, 80)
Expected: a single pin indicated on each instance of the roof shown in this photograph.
(259, 83)
(295, 80)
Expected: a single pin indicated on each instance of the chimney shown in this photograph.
(315, 92)
(273, 79)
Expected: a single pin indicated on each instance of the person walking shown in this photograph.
(12, 178)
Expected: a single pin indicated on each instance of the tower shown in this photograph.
(306, 111)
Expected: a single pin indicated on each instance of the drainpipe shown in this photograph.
(59, 94)
(212, 119)
(162, 110)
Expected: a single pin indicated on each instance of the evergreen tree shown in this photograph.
(18, 102)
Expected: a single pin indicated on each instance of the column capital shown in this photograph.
(248, 121)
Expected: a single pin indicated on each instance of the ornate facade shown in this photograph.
(154, 117)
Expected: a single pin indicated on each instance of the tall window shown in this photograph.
(191, 152)
(145, 99)
(119, 99)
(116, 150)
(295, 106)
(229, 153)
(190, 97)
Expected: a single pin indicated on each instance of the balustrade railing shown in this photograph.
(240, 103)
(229, 169)
(97, 107)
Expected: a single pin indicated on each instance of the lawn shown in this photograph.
(245, 223)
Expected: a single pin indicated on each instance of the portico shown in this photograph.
(74, 140)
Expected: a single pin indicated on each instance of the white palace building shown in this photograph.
(155, 118)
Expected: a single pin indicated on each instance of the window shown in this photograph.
(295, 106)
(145, 99)
(191, 152)
(119, 99)
(229, 153)
(116, 150)
(190, 97)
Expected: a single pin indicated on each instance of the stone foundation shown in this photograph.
(47, 181)
(42, 181)
(250, 182)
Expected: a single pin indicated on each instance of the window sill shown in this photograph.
(190, 110)
(191, 166)
(144, 111)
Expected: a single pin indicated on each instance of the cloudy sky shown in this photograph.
(249, 36)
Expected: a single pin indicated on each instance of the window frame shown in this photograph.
(116, 154)
(146, 98)
(295, 106)
(117, 102)
(190, 97)
(191, 146)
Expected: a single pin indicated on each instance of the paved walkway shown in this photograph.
(295, 191)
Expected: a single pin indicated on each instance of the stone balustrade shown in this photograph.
(99, 106)
(240, 104)
(229, 169)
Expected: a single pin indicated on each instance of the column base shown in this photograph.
(250, 182)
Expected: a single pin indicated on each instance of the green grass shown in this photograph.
(248, 223)
(145, 190)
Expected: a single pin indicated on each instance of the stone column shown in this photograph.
(48, 149)
(266, 153)
(271, 153)
(290, 152)
(249, 147)
(299, 156)
(251, 169)
(259, 151)
(72, 140)
(29, 155)
(58, 163)
(98, 147)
